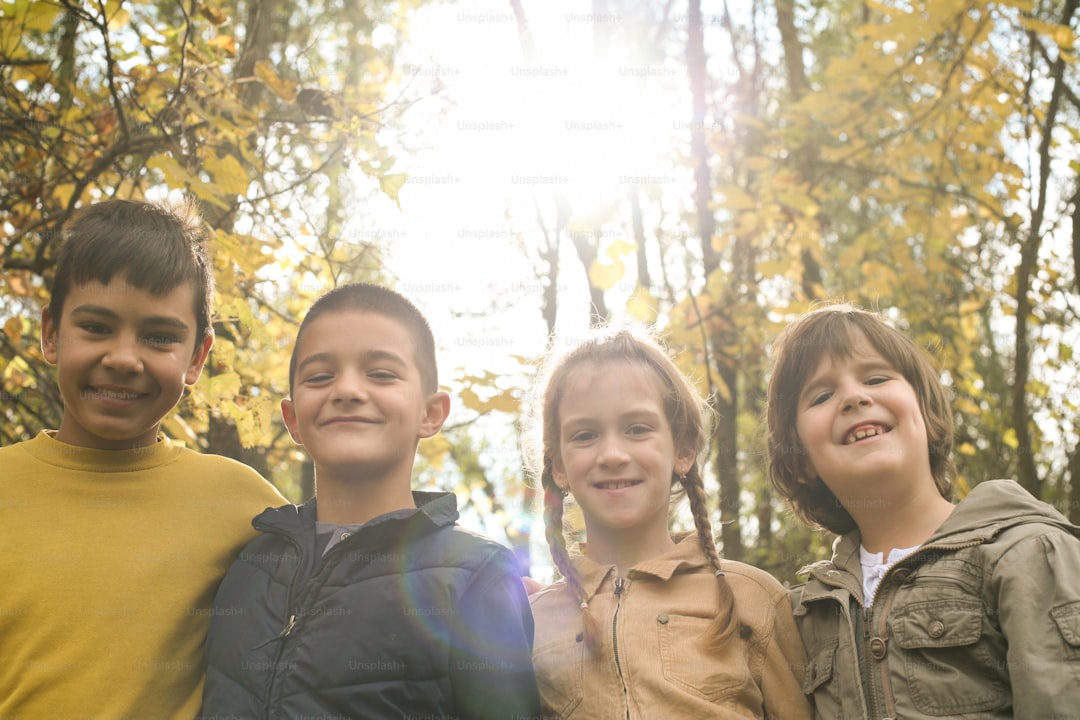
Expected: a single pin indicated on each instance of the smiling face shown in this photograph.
(616, 453)
(123, 356)
(358, 404)
(863, 431)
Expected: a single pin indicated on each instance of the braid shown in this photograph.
(724, 624)
(553, 531)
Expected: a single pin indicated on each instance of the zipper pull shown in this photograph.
(618, 585)
(288, 627)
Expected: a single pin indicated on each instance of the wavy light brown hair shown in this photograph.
(685, 414)
(833, 331)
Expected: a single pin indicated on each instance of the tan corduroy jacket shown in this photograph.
(650, 661)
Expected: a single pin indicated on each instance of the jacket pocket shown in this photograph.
(819, 682)
(948, 663)
(714, 675)
(1067, 619)
(558, 668)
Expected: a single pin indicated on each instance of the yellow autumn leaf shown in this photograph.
(735, 198)
(223, 387)
(966, 449)
(605, 275)
(228, 174)
(642, 305)
(284, 89)
(435, 450)
(620, 247)
(40, 16)
(391, 184)
(13, 328)
(1009, 438)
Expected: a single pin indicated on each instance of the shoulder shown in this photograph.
(226, 475)
(456, 547)
(747, 579)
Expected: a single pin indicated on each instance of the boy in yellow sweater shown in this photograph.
(113, 540)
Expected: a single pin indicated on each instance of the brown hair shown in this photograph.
(684, 410)
(366, 297)
(153, 247)
(833, 331)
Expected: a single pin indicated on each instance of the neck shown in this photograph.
(625, 548)
(354, 501)
(905, 523)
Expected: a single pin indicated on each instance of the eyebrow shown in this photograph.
(369, 356)
(158, 320)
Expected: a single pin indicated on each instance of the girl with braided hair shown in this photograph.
(643, 624)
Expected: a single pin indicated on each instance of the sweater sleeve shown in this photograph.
(1038, 592)
(491, 669)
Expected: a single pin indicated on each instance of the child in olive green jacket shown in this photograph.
(926, 609)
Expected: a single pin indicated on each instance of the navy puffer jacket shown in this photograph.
(411, 616)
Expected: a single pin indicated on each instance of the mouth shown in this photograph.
(109, 393)
(348, 421)
(616, 484)
(864, 432)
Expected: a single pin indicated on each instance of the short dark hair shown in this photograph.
(832, 331)
(367, 297)
(155, 247)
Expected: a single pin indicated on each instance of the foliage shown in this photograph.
(272, 114)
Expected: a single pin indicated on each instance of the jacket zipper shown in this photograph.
(285, 631)
(619, 585)
(868, 615)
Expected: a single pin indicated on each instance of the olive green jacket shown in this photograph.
(982, 621)
(652, 660)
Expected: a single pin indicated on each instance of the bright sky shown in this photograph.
(507, 136)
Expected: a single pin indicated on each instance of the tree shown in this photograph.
(268, 113)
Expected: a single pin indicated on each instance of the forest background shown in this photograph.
(523, 170)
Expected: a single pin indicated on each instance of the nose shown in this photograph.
(612, 453)
(123, 355)
(855, 395)
(349, 388)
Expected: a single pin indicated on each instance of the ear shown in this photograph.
(436, 410)
(288, 414)
(558, 474)
(198, 359)
(683, 463)
(49, 341)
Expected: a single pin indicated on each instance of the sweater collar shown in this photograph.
(46, 448)
(686, 555)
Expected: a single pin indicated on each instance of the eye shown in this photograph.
(877, 380)
(94, 328)
(820, 398)
(382, 375)
(318, 378)
(161, 339)
(583, 436)
(638, 429)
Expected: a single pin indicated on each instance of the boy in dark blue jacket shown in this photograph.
(369, 601)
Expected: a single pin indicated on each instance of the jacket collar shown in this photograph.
(433, 510)
(686, 555)
(990, 508)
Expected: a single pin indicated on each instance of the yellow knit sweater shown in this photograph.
(109, 561)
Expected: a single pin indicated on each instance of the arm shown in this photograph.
(785, 665)
(491, 668)
(1037, 582)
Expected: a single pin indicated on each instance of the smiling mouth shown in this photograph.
(616, 484)
(865, 431)
(114, 394)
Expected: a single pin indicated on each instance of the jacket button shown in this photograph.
(662, 618)
(877, 648)
(937, 629)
